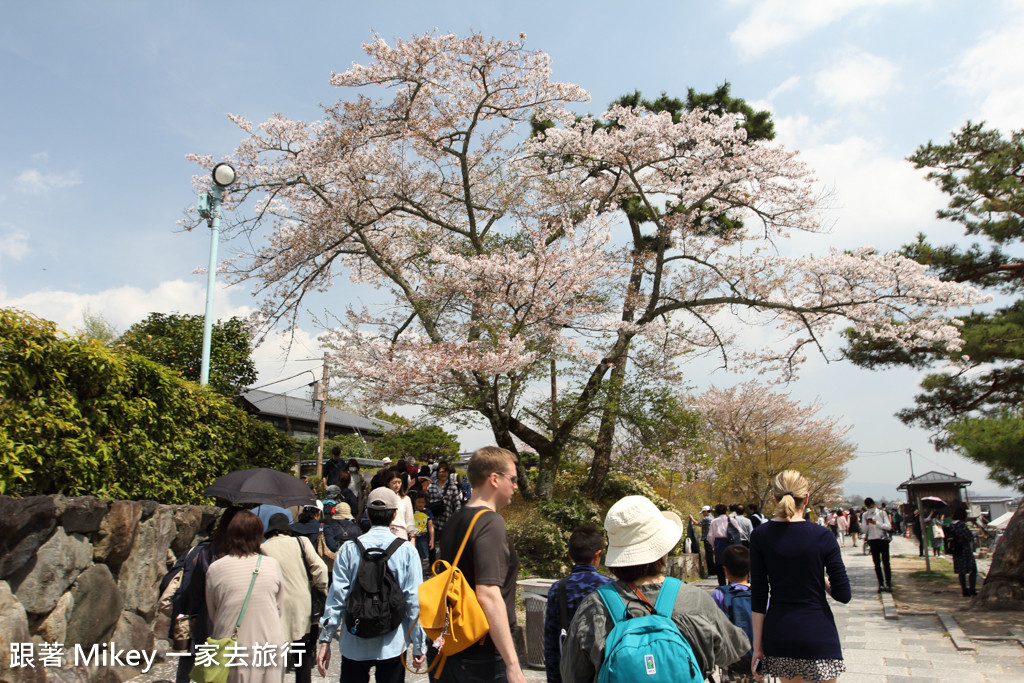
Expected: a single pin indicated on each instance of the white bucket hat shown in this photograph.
(639, 533)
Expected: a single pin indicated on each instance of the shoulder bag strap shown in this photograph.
(465, 538)
(255, 573)
(667, 596)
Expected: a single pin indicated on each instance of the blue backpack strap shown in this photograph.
(666, 601)
(612, 602)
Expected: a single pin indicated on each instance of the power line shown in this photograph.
(278, 381)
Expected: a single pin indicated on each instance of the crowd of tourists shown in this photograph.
(356, 568)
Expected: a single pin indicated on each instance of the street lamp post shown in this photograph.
(209, 208)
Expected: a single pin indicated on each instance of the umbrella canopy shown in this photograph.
(933, 501)
(1001, 521)
(261, 485)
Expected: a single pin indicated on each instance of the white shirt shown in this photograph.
(880, 529)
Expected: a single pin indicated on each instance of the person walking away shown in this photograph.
(586, 543)
(756, 518)
(491, 567)
(854, 525)
(302, 572)
(640, 537)
(938, 535)
(734, 599)
(373, 645)
(742, 523)
(718, 535)
(842, 525)
(795, 635)
(876, 532)
(709, 549)
(190, 598)
(227, 588)
(832, 522)
(962, 549)
(358, 485)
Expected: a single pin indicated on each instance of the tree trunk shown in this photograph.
(1004, 586)
(606, 433)
(503, 438)
(549, 460)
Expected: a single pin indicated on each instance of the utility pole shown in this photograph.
(321, 394)
(910, 454)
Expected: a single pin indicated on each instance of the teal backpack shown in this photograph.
(646, 649)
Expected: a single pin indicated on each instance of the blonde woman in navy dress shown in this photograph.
(795, 636)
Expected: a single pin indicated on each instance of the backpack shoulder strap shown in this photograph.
(395, 545)
(667, 596)
(563, 604)
(612, 602)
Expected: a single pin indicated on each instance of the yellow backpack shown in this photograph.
(450, 613)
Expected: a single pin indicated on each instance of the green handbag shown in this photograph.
(216, 670)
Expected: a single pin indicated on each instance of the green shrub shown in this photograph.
(540, 544)
(569, 513)
(80, 418)
(620, 485)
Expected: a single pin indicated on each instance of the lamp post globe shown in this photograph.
(223, 174)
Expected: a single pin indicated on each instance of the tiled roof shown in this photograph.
(293, 407)
(934, 478)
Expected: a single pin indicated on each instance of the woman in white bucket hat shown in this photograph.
(640, 538)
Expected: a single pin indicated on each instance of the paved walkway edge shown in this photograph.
(960, 640)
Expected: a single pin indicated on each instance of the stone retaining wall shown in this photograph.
(84, 571)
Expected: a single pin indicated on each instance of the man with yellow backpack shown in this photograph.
(475, 544)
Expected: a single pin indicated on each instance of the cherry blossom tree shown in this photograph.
(595, 250)
(752, 433)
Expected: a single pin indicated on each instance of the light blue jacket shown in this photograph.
(405, 565)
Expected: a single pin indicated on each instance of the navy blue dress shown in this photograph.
(788, 562)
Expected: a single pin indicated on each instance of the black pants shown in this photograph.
(478, 664)
(880, 556)
(973, 590)
(357, 671)
(307, 647)
(709, 558)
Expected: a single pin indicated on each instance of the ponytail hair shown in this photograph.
(790, 490)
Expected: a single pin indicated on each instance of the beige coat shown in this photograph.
(227, 581)
(295, 554)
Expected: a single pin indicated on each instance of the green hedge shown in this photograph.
(82, 419)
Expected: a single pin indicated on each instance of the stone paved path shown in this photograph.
(910, 649)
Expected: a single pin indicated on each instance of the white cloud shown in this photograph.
(13, 243)
(786, 85)
(32, 181)
(856, 79)
(878, 200)
(278, 356)
(990, 71)
(774, 23)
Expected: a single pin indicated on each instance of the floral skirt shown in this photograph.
(809, 669)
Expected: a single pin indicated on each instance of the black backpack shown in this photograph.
(376, 604)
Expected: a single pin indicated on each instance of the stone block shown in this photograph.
(140, 574)
(82, 514)
(187, 519)
(117, 531)
(58, 562)
(25, 524)
(54, 628)
(82, 674)
(97, 607)
(211, 517)
(132, 633)
(14, 629)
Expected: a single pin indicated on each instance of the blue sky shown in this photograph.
(103, 100)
